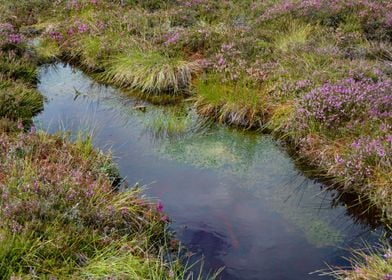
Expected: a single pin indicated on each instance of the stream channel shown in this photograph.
(235, 197)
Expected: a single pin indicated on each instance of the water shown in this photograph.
(235, 197)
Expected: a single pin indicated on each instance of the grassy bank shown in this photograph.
(315, 74)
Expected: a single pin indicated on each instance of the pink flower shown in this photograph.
(20, 125)
(14, 38)
(159, 206)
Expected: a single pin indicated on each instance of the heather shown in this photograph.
(61, 215)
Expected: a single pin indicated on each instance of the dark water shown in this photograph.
(235, 197)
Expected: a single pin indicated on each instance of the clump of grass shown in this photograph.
(170, 122)
(13, 66)
(149, 71)
(366, 264)
(236, 103)
(47, 50)
(18, 102)
(296, 34)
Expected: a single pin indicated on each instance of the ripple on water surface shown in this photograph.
(235, 197)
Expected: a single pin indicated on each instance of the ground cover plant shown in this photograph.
(315, 73)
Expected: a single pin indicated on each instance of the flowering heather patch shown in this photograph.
(6, 28)
(82, 28)
(8, 35)
(172, 38)
(328, 7)
(364, 157)
(374, 15)
(50, 187)
(193, 3)
(14, 38)
(232, 65)
(350, 101)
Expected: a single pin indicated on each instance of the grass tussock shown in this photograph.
(150, 72)
(18, 103)
(367, 264)
(233, 103)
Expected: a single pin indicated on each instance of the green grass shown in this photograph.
(297, 34)
(367, 264)
(149, 72)
(47, 50)
(234, 103)
(18, 68)
(18, 103)
(169, 122)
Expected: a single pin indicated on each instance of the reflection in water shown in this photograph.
(234, 196)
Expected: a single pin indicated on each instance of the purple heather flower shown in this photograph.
(33, 129)
(388, 254)
(15, 38)
(83, 28)
(159, 206)
(56, 35)
(20, 125)
(172, 39)
(165, 218)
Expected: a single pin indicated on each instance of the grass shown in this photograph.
(170, 122)
(18, 103)
(367, 264)
(237, 104)
(47, 51)
(149, 72)
(295, 35)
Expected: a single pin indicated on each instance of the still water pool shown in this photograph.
(235, 197)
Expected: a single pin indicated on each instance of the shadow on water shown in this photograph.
(235, 197)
